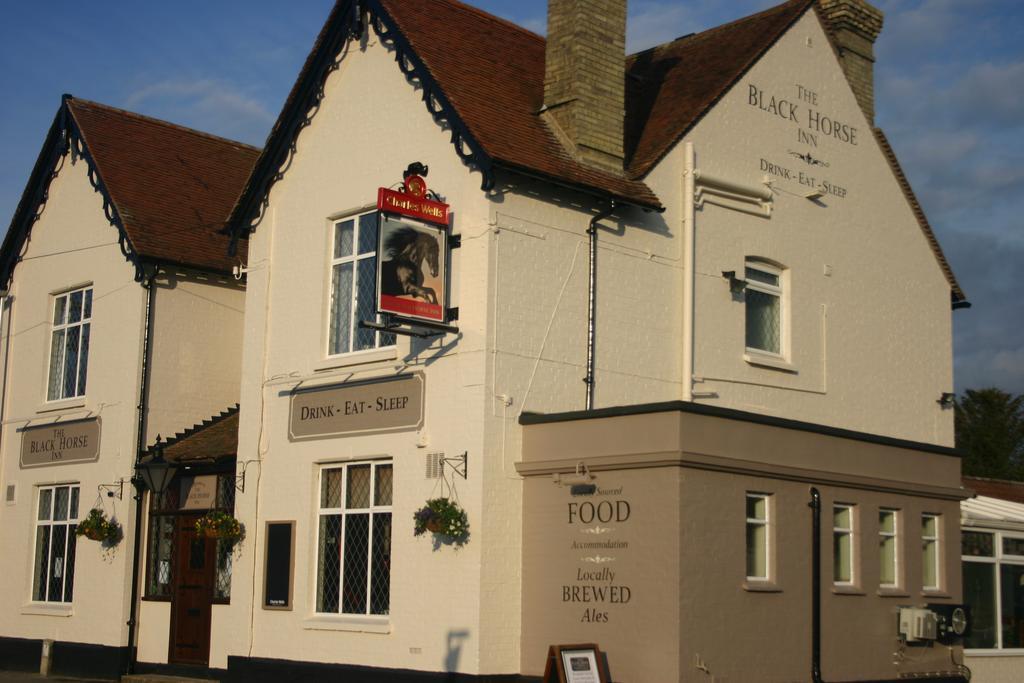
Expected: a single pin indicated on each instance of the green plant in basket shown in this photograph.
(441, 516)
(96, 527)
(220, 524)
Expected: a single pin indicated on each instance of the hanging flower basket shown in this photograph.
(96, 527)
(218, 524)
(441, 516)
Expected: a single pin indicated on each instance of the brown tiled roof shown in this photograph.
(669, 88)
(996, 488)
(495, 80)
(492, 73)
(173, 187)
(926, 228)
(213, 439)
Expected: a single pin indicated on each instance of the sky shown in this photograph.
(949, 94)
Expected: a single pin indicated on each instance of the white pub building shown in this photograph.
(555, 363)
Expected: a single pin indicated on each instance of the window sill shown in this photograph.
(993, 652)
(44, 610)
(354, 623)
(941, 594)
(357, 358)
(752, 586)
(847, 590)
(768, 361)
(893, 592)
(66, 404)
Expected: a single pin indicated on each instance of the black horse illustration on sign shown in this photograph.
(402, 274)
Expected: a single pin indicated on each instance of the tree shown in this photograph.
(990, 433)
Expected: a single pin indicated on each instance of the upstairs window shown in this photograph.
(764, 308)
(353, 287)
(69, 344)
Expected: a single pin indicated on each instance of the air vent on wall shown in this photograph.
(12, 494)
(435, 465)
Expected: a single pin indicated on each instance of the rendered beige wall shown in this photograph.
(871, 346)
(196, 341)
(72, 245)
(446, 603)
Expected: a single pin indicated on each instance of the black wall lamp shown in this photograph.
(156, 473)
(736, 285)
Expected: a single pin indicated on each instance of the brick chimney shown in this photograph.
(584, 79)
(856, 26)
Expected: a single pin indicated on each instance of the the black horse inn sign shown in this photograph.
(60, 443)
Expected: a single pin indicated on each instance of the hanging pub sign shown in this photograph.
(412, 251)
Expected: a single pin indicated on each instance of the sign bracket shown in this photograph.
(422, 330)
(115, 490)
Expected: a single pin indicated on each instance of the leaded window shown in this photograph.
(56, 521)
(354, 539)
(354, 286)
(69, 344)
(763, 293)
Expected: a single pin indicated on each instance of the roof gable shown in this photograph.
(489, 100)
(167, 189)
(669, 88)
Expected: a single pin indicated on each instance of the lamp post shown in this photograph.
(154, 474)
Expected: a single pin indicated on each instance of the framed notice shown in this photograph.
(575, 664)
(279, 565)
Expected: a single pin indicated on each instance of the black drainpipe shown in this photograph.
(815, 506)
(133, 609)
(592, 301)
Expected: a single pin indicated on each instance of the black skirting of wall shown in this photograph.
(66, 659)
(20, 654)
(256, 670)
(181, 670)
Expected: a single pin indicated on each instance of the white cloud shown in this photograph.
(207, 105)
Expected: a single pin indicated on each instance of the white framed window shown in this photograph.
(69, 344)
(842, 544)
(930, 539)
(354, 539)
(758, 540)
(765, 328)
(353, 287)
(993, 582)
(54, 567)
(888, 548)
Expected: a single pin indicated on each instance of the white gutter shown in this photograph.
(689, 276)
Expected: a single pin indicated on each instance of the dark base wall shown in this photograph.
(66, 659)
(254, 670)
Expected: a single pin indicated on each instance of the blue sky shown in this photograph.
(949, 80)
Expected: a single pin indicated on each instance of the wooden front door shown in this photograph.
(191, 594)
